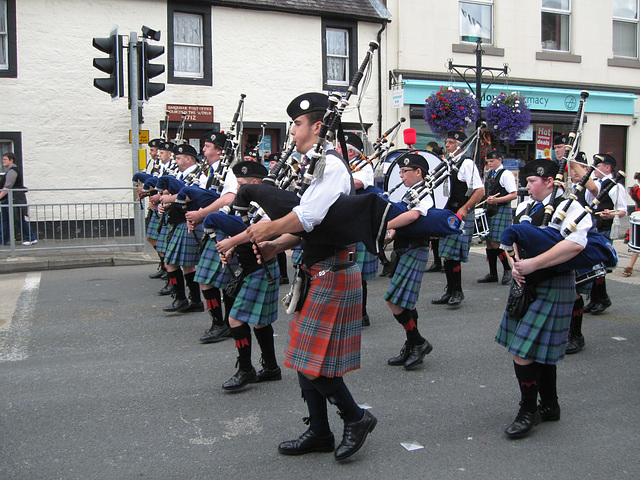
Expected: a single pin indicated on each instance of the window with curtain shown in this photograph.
(556, 25)
(339, 53)
(4, 36)
(188, 45)
(625, 28)
(476, 21)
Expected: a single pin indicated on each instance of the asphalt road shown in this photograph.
(98, 383)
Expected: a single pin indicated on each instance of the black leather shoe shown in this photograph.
(523, 424)
(192, 307)
(166, 290)
(600, 307)
(434, 268)
(417, 354)
(455, 300)
(575, 344)
(488, 278)
(442, 300)
(268, 375)
(216, 333)
(587, 308)
(400, 359)
(308, 442)
(355, 433)
(506, 277)
(176, 305)
(365, 320)
(158, 274)
(284, 281)
(549, 413)
(240, 380)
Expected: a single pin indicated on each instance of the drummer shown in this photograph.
(500, 187)
(466, 190)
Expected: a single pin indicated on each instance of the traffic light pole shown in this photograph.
(138, 220)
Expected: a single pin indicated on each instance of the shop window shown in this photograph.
(476, 21)
(556, 25)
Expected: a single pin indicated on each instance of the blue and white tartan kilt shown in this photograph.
(324, 337)
(367, 262)
(405, 283)
(257, 301)
(296, 255)
(210, 270)
(183, 248)
(456, 247)
(152, 226)
(541, 335)
(499, 222)
(162, 244)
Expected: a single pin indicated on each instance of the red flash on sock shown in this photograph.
(599, 281)
(243, 342)
(173, 281)
(212, 303)
(502, 255)
(410, 325)
(528, 384)
(457, 268)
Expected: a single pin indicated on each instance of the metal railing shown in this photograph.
(106, 222)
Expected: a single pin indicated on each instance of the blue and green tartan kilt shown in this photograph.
(405, 283)
(296, 256)
(499, 222)
(456, 247)
(257, 301)
(210, 270)
(152, 226)
(541, 335)
(324, 337)
(161, 246)
(183, 247)
(367, 262)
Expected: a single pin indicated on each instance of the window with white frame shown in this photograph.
(556, 25)
(476, 21)
(188, 46)
(4, 36)
(625, 28)
(337, 56)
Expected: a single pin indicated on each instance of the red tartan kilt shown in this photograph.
(324, 337)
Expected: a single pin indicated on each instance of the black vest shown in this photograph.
(492, 185)
(457, 193)
(19, 198)
(538, 216)
(606, 203)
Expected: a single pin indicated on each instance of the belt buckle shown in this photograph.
(351, 257)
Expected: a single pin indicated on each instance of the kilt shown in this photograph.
(210, 270)
(499, 222)
(182, 248)
(161, 246)
(324, 337)
(456, 247)
(296, 256)
(405, 283)
(257, 301)
(541, 335)
(367, 262)
(152, 226)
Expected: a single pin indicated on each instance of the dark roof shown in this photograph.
(366, 10)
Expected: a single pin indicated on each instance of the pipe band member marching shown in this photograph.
(500, 189)
(402, 295)
(324, 335)
(465, 191)
(537, 336)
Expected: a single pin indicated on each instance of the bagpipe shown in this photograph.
(286, 170)
(230, 149)
(383, 144)
(534, 240)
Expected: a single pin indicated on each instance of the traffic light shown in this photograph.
(149, 70)
(113, 65)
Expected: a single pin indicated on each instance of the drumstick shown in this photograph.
(492, 196)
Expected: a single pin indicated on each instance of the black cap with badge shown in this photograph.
(217, 138)
(250, 169)
(541, 167)
(185, 149)
(414, 160)
(307, 103)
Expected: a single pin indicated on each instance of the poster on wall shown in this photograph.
(543, 141)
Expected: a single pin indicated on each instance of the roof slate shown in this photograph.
(367, 10)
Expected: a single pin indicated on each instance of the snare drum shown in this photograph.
(482, 223)
(634, 232)
(583, 277)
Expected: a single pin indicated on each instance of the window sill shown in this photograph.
(471, 48)
(623, 62)
(558, 57)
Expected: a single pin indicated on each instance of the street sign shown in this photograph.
(143, 137)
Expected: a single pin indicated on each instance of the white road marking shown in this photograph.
(16, 334)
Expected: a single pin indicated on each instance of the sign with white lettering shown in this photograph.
(194, 113)
(543, 141)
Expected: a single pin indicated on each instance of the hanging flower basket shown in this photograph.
(508, 116)
(450, 109)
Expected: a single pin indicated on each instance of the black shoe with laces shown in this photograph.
(402, 357)
(306, 443)
(523, 423)
(355, 433)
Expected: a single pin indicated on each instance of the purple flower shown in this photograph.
(450, 109)
(508, 116)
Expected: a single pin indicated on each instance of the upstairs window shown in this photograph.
(625, 28)
(476, 21)
(188, 46)
(556, 24)
(339, 53)
(8, 50)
